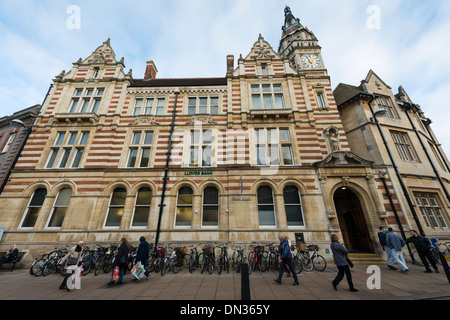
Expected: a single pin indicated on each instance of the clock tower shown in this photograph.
(300, 45)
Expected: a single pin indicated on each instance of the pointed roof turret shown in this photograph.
(290, 22)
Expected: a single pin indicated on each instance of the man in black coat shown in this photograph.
(142, 255)
(423, 247)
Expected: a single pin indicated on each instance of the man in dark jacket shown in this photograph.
(142, 255)
(423, 247)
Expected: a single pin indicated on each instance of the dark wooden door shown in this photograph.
(352, 222)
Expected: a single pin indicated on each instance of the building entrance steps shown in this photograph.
(365, 258)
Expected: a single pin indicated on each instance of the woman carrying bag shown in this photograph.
(342, 262)
(120, 261)
(286, 258)
(70, 262)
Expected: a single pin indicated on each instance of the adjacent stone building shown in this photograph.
(238, 158)
(13, 133)
(393, 132)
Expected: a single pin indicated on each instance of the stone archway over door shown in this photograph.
(351, 220)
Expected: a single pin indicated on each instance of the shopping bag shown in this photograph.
(138, 270)
(116, 273)
(79, 272)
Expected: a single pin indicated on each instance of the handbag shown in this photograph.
(350, 263)
(72, 261)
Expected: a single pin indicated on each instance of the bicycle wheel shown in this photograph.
(252, 260)
(174, 266)
(436, 257)
(165, 266)
(306, 262)
(237, 263)
(227, 264)
(204, 262)
(191, 264)
(298, 266)
(262, 263)
(37, 266)
(210, 265)
(186, 260)
(417, 259)
(219, 267)
(319, 262)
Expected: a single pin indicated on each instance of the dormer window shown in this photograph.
(86, 100)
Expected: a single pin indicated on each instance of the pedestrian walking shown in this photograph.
(71, 261)
(340, 253)
(423, 246)
(396, 243)
(121, 260)
(390, 256)
(142, 256)
(286, 258)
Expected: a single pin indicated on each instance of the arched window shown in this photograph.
(142, 207)
(116, 206)
(34, 207)
(210, 207)
(293, 206)
(184, 207)
(266, 207)
(59, 208)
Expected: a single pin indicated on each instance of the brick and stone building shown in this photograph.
(259, 151)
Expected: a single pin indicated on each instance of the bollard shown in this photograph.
(445, 265)
(245, 282)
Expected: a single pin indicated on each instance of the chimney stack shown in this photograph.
(150, 71)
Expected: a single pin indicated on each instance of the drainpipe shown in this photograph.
(408, 106)
(397, 172)
(166, 170)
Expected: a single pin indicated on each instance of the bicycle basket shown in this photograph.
(259, 248)
(301, 247)
(208, 250)
(183, 250)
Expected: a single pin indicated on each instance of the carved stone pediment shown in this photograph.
(144, 121)
(204, 119)
(341, 158)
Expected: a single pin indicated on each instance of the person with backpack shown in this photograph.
(286, 258)
(396, 243)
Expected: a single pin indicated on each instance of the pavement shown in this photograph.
(186, 286)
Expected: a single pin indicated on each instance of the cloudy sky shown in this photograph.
(406, 42)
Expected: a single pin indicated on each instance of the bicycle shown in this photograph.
(223, 260)
(156, 260)
(172, 261)
(52, 262)
(318, 262)
(90, 260)
(257, 259)
(106, 263)
(272, 256)
(194, 259)
(208, 259)
(239, 257)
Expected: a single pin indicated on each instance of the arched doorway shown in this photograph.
(351, 220)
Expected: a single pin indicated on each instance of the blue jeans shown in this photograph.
(398, 256)
(390, 256)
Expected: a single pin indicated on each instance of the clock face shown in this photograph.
(310, 61)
